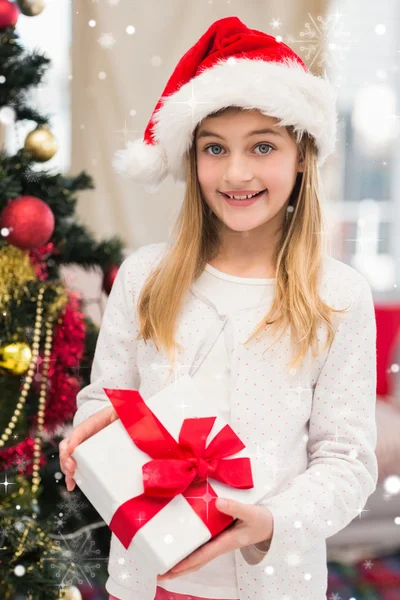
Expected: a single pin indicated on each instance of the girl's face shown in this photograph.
(231, 158)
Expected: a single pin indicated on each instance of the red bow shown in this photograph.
(182, 467)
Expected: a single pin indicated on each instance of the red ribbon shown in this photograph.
(182, 467)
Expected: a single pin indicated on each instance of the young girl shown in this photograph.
(246, 126)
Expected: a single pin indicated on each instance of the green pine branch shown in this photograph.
(20, 69)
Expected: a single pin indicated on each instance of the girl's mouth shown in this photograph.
(243, 203)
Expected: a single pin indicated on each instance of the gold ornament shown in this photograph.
(31, 8)
(41, 144)
(15, 358)
(71, 593)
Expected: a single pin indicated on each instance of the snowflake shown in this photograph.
(324, 40)
(22, 462)
(59, 520)
(32, 176)
(113, 2)
(275, 23)
(76, 559)
(3, 535)
(72, 505)
(156, 61)
(20, 526)
(334, 597)
(368, 564)
(106, 40)
(125, 131)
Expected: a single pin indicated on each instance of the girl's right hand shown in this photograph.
(82, 432)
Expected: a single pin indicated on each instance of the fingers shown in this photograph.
(69, 481)
(173, 575)
(223, 543)
(89, 427)
(67, 464)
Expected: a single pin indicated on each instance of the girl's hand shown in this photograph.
(255, 524)
(89, 427)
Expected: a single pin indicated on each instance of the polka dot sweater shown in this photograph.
(313, 429)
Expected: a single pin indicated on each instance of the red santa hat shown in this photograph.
(230, 65)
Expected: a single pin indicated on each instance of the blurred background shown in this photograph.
(109, 61)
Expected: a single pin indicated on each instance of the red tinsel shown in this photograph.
(38, 258)
(67, 353)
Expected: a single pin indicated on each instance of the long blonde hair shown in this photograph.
(298, 263)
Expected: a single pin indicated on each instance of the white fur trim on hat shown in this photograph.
(281, 90)
(143, 162)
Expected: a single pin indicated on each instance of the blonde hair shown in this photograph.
(298, 262)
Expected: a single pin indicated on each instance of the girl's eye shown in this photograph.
(262, 144)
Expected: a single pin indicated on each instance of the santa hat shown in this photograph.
(230, 65)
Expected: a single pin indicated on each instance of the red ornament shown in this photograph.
(109, 277)
(8, 14)
(30, 222)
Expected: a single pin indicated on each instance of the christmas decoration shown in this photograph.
(41, 144)
(109, 277)
(8, 14)
(38, 259)
(27, 222)
(71, 593)
(21, 536)
(16, 272)
(31, 8)
(15, 357)
(34, 355)
(67, 354)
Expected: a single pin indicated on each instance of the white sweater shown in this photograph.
(229, 294)
(313, 428)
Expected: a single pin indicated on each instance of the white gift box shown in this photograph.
(109, 472)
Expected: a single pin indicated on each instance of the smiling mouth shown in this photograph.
(244, 199)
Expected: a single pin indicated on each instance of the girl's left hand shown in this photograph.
(255, 524)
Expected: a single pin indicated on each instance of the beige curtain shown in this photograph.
(117, 80)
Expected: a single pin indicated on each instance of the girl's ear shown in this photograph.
(301, 157)
(300, 161)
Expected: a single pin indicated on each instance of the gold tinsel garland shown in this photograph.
(27, 384)
(16, 271)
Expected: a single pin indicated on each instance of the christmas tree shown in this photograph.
(52, 542)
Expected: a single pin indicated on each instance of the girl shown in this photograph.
(246, 126)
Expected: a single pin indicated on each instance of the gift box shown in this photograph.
(153, 475)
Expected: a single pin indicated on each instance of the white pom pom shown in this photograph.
(145, 163)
